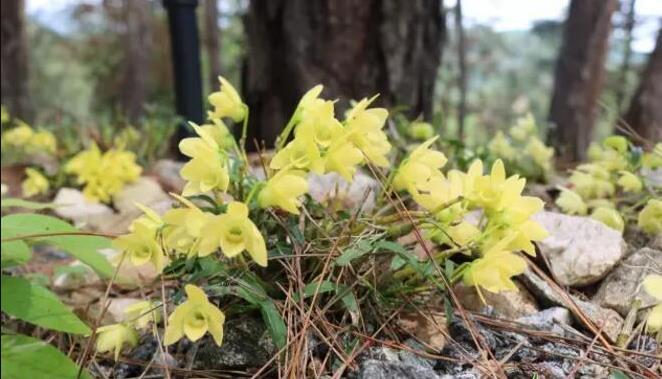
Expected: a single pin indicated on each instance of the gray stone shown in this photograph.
(623, 285)
(385, 363)
(167, 173)
(72, 205)
(505, 304)
(580, 250)
(246, 343)
(609, 320)
(550, 319)
(332, 188)
(146, 191)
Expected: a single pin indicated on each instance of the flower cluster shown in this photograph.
(504, 227)
(24, 138)
(609, 179)
(522, 149)
(103, 174)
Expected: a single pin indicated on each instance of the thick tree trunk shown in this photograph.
(213, 42)
(579, 76)
(645, 112)
(14, 59)
(356, 48)
(137, 51)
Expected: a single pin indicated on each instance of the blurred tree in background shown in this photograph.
(109, 63)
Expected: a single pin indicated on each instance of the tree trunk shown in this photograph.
(213, 42)
(579, 76)
(137, 51)
(627, 54)
(14, 59)
(644, 115)
(356, 48)
(462, 70)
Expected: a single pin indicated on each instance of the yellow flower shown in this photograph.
(43, 141)
(34, 184)
(524, 127)
(365, 131)
(18, 136)
(227, 102)
(617, 143)
(142, 313)
(183, 228)
(594, 152)
(439, 191)
(195, 317)
(500, 147)
(609, 217)
(653, 285)
(219, 133)
(114, 337)
(650, 218)
(571, 203)
(463, 233)
(208, 168)
(234, 232)
(420, 130)
(494, 271)
(301, 153)
(493, 192)
(422, 165)
(343, 158)
(283, 190)
(141, 247)
(630, 182)
(541, 154)
(103, 174)
(318, 122)
(653, 160)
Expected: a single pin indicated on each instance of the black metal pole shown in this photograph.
(185, 60)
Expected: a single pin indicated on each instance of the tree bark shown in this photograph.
(213, 42)
(579, 76)
(462, 70)
(14, 59)
(644, 115)
(137, 51)
(356, 48)
(628, 26)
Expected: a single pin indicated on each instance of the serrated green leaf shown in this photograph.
(37, 305)
(28, 357)
(83, 247)
(14, 253)
(27, 204)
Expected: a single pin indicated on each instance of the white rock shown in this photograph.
(332, 187)
(167, 173)
(580, 250)
(73, 205)
(146, 191)
(623, 285)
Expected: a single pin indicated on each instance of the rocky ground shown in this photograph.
(572, 316)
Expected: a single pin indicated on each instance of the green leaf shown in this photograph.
(362, 248)
(14, 253)
(37, 305)
(85, 248)
(310, 288)
(20, 203)
(27, 357)
(275, 323)
(618, 374)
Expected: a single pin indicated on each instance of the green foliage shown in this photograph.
(37, 305)
(27, 357)
(50, 230)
